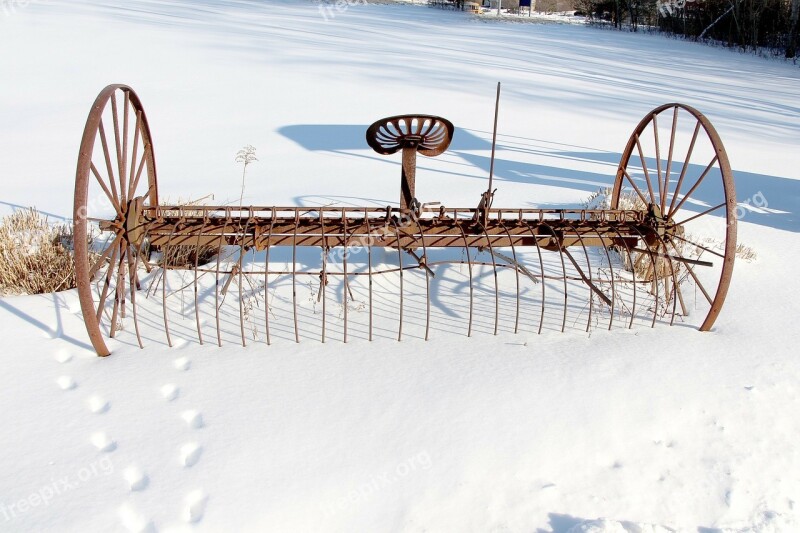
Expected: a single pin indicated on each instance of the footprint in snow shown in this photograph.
(194, 506)
(193, 419)
(63, 356)
(182, 363)
(66, 383)
(137, 480)
(190, 454)
(170, 391)
(97, 404)
(134, 521)
(103, 443)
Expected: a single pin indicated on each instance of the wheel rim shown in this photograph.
(676, 167)
(116, 177)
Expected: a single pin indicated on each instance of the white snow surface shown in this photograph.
(641, 430)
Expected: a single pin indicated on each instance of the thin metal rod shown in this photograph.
(369, 271)
(516, 273)
(400, 262)
(541, 269)
(658, 161)
(630, 262)
(653, 265)
(196, 266)
(469, 269)
(344, 268)
(494, 139)
(684, 169)
(644, 169)
(266, 279)
(323, 281)
(133, 265)
(164, 266)
(696, 185)
(669, 160)
(242, 254)
(496, 288)
(123, 187)
(216, 278)
(613, 287)
(294, 277)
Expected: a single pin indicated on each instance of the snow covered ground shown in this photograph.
(642, 430)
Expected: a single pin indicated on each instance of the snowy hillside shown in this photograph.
(648, 429)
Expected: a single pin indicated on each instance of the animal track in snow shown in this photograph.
(103, 443)
(193, 419)
(137, 480)
(182, 363)
(63, 356)
(194, 506)
(170, 391)
(190, 454)
(134, 521)
(97, 404)
(66, 383)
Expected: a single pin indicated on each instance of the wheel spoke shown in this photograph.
(669, 161)
(104, 256)
(685, 168)
(132, 189)
(115, 116)
(709, 250)
(107, 156)
(658, 160)
(105, 189)
(135, 182)
(628, 176)
(697, 281)
(707, 211)
(124, 165)
(696, 185)
(644, 168)
(102, 300)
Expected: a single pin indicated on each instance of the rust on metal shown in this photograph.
(635, 254)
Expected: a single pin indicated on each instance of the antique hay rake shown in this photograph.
(661, 247)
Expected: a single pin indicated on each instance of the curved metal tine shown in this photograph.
(469, 269)
(400, 259)
(687, 266)
(496, 289)
(196, 266)
(674, 280)
(216, 273)
(107, 282)
(242, 254)
(516, 271)
(344, 267)
(630, 262)
(133, 265)
(323, 282)
(541, 269)
(683, 170)
(652, 264)
(427, 279)
(294, 275)
(613, 287)
(164, 270)
(119, 291)
(369, 267)
(669, 160)
(266, 277)
(563, 270)
(588, 279)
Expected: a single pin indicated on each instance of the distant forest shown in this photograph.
(747, 24)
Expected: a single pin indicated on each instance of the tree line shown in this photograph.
(747, 24)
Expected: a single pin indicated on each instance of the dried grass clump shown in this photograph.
(35, 256)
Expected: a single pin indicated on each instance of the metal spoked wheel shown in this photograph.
(675, 167)
(116, 178)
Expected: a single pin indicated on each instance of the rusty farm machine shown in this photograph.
(660, 249)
